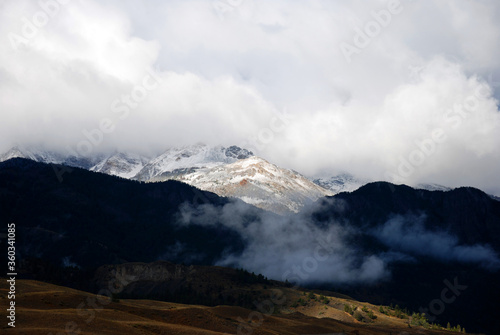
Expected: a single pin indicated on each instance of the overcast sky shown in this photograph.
(401, 91)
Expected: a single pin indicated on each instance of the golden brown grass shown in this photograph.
(43, 308)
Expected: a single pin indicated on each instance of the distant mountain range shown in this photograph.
(226, 171)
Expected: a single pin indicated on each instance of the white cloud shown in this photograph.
(226, 75)
(408, 234)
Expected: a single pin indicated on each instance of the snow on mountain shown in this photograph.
(133, 166)
(433, 187)
(36, 155)
(47, 156)
(190, 158)
(121, 165)
(226, 171)
(15, 152)
(255, 181)
(344, 182)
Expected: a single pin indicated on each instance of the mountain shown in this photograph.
(346, 182)
(125, 165)
(89, 219)
(255, 181)
(470, 214)
(234, 172)
(214, 169)
(434, 238)
(121, 165)
(16, 152)
(432, 187)
(35, 155)
(226, 171)
(48, 156)
(134, 166)
(175, 161)
(343, 182)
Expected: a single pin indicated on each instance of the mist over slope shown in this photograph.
(355, 237)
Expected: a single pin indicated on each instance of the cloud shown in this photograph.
(224, 74)
(409, 235)
(299, 249)
(289, 248)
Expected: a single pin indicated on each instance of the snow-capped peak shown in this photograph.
(255, 181)
(16, 152)
(343, 182)
(37, 154)
(121, 164)
(190, 158)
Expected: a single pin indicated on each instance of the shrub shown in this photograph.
(419, 320)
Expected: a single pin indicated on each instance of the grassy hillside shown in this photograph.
(45, 308)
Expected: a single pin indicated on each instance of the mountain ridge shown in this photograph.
(210, 168)
(205, 167)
